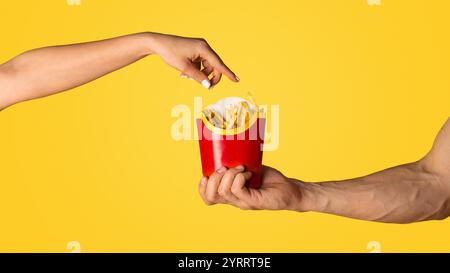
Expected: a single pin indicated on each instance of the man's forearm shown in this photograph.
(45, 71)
(403, 194)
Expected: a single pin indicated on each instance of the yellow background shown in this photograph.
(360, 89)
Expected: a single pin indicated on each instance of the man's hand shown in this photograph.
(413, 192)
(193, 57)
(227, 186)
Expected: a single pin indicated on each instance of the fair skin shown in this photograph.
(49, 70)
(408, 193)
(412, 192)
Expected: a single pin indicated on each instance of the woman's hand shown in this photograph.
(193, 57)
(227, 186)
(45, 71)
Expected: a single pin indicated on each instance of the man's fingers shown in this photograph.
(195, 73)
(239, 189)
(202, 190)
(224, 189)
(212, 186)
(227, 187)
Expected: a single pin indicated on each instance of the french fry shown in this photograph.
(230, 117)
(235, 116)
(214, 118)
(243, 114)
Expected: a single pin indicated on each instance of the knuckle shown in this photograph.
(216, 174)
(227, 176)
(201, 42)
(226, 193)
(240, 176)
(203, 46)
(222, 192)
(210, 199)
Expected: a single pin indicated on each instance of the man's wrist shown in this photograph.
(309, 197)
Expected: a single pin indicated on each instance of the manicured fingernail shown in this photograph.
(183, 76)
(240, 168)
(237, 78)
(206, 84)
(221, 170)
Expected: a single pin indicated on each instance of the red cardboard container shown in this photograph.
(219, 147)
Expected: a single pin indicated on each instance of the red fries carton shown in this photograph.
(231, 133)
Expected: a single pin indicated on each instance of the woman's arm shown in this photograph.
(45, 71)
(409, 193)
